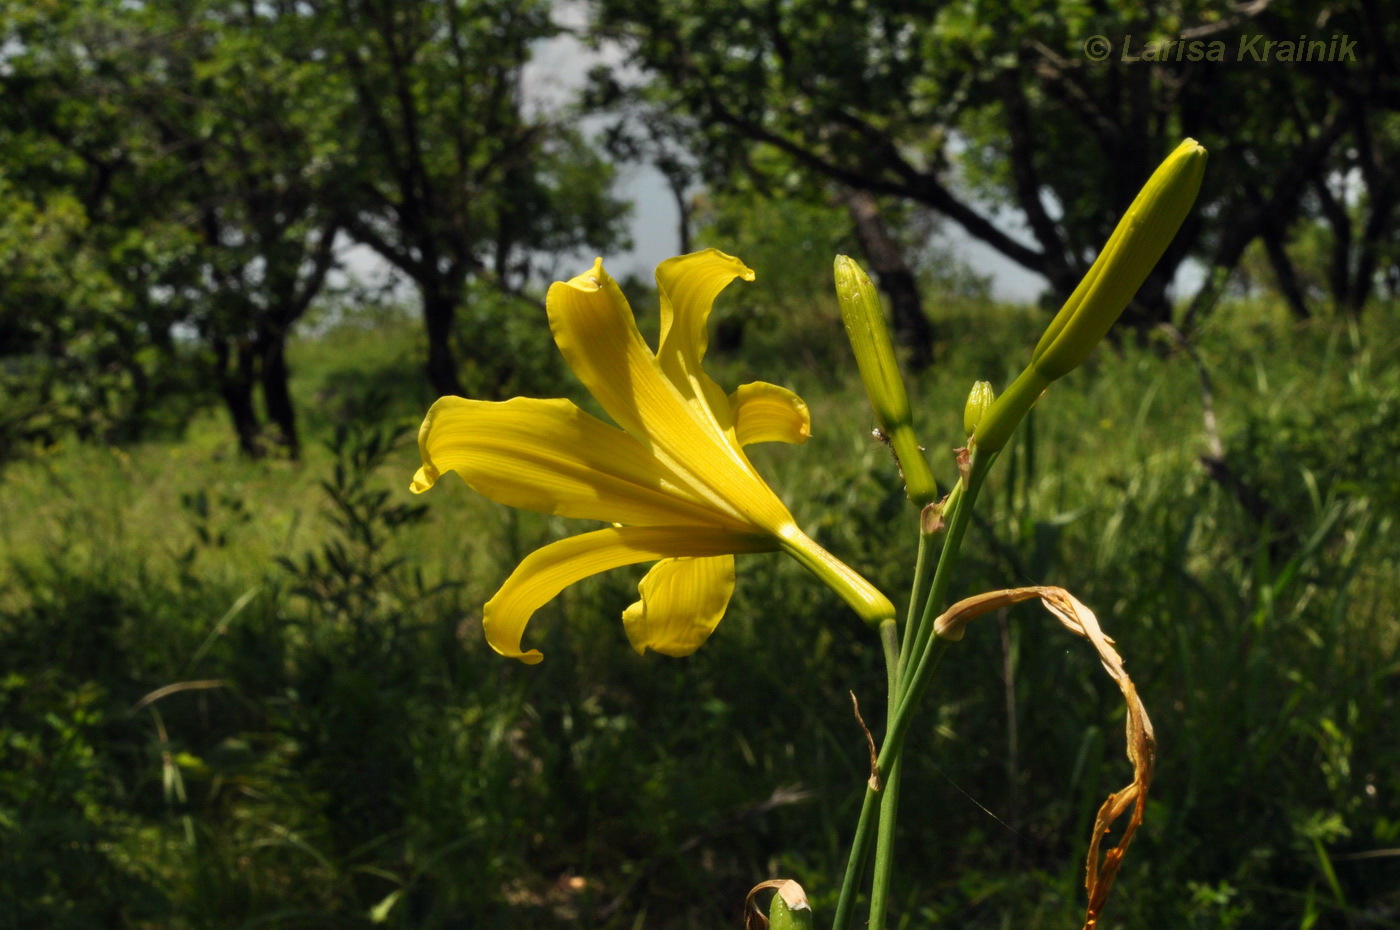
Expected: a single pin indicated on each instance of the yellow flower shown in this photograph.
(674, 481)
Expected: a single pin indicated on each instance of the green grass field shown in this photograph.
(339, 748)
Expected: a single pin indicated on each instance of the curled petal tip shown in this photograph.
(591, 280)
(744, 272)
(424, 479)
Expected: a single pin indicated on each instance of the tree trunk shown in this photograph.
(439, 318)
(1339, 268)
(683, 211)
(1365, 279)
(236, 376)
(1150, 307)
(277, 396)
(911, 327)
(1383, 202)
(1288, 286)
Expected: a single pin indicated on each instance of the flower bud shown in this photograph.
(979, 401)
(870, 338)
(790, 910)
(1139, 240)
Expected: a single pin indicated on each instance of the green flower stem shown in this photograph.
(927, 652)
(924, 657)
(999, 422)
(919, 484)
(860, 845)
(889, 801)
(855, 861)
(914, 634)
(865, 826)
(884, 845)
(923, 574)
(889, 804)
(889, 642)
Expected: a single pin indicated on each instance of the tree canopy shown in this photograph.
(980, 109)
(206, 163)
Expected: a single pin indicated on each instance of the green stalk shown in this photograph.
(918, 602)
(865, 826)
(889, 642)
(923, 571)
(889, 805)
(855, 862)
(929, 649)
(889, 802)
(860, 845)
(924, 656)
(884, 847)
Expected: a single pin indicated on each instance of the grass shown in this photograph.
(362, 759)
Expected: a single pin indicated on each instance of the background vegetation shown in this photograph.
(243, 682)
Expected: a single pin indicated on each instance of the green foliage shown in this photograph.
(351, 580)
(365, 757)
(73, 360)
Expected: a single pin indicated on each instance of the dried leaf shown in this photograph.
(754, 918)
(793, 895)
(876, 782)
(1100, 872)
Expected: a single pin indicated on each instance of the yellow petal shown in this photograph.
(547, 571)
(765, 412)
(596, 332)
(682, 603)
(688, 285)
(552, 457)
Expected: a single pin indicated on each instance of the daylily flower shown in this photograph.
(674, 481)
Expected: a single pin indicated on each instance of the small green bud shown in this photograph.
(790, 910)
(979, 400)
(1139, 240)
(869, 335)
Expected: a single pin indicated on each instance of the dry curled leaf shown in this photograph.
(1100, 871)
(876, 782)
(792, 892)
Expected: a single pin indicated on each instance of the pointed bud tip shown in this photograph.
(979, 401)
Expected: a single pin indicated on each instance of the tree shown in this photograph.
(85, 340)
(187, 134)
(977, 107)
(243, 138)
(445, 173)
(646, 130)
(235, 99)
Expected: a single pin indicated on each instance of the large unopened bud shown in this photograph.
(879, 371)
(1139, 240)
